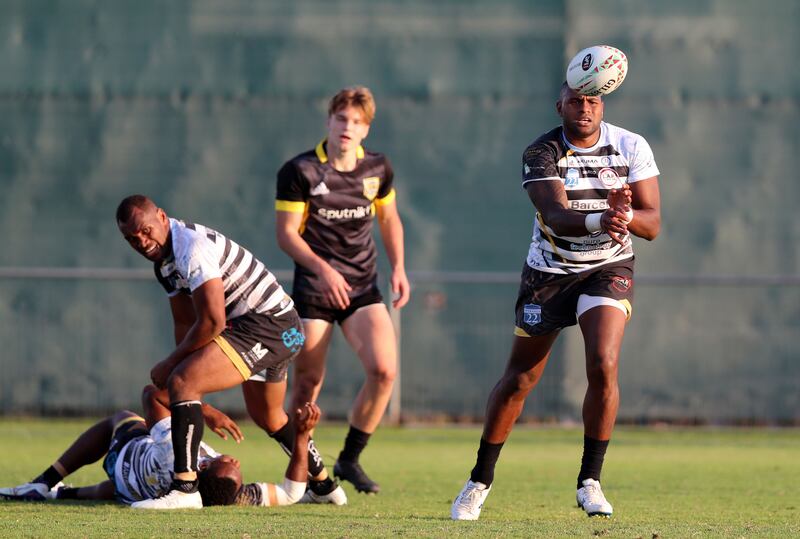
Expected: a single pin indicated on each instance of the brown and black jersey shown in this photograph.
(588, 174)
(338, 209)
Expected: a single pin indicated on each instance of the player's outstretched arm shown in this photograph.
(294, 484)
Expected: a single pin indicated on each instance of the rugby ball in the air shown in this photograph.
(597, 70)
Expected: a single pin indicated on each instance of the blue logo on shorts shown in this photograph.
(293, 339)
(532, 314)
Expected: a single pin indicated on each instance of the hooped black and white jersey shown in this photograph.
(144, 467)
(588, 174)
(200, 254)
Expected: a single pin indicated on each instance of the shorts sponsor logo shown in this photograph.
(293, 339)
(608, 177)
(532, 314)
(572, 177)
(621, 284)
(371, 186)
(254, 355)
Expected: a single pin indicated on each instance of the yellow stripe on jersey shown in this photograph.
(548, 236)
(303, 222)
(388, 199)
(234, 356)
(323, 157)
(519, 332)
(290, 206)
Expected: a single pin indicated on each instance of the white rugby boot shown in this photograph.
(174, 499)
(590, 498)
(469, 502)
(337, 497)
(30, 492)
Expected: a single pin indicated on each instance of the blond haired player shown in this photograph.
(327, 199)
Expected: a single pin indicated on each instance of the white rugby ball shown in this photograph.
(597, 70)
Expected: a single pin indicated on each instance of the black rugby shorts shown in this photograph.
(263, 342)
(548, 302)
(311, 311)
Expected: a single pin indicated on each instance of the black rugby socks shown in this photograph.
(49, 477)
(594, 452)
(187, 431)
(354, 444)
(285, 438)
(483, 472)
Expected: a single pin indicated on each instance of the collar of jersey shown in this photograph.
(322, 155)
(597, 144)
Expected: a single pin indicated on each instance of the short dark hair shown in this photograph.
(130, 203)
(217, 490)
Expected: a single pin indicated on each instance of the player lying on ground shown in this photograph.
(139, 460)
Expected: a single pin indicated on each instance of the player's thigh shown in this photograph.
(371, 334)
(261, 397)
(206, 370)
(603, 327)
(529, 355)
(311, 359)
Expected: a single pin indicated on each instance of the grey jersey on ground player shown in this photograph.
(588, 174)
(338, 209)
(200, 254)
(143, 469)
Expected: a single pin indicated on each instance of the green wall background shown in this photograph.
(197, 103)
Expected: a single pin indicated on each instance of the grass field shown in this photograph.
(663, 483)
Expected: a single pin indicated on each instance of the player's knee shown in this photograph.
(602, 368)
(520, 383)
(383, 375)
(178, 385)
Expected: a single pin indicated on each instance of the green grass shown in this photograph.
(663, 483)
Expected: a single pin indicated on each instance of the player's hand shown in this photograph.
(306, 417)
(160, 372)
(615, 224)
(401, 289)
(335, 288)
(219, 423)
(621, 198)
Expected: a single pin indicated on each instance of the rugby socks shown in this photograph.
(594, 451)
(187, 431)
(49, 477)
(483, 472)
(285, 438)
(67, 493)
(322, 488)
(354, 444)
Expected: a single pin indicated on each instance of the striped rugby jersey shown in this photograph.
(338, 210)
(588, 174)
(143, 469)
(200, 254)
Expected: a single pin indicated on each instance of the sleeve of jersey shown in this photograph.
(292, 190)
(198, 261)
(168, 288)
(538, 164)
(386, 192)
(269, 494)
(643, 164)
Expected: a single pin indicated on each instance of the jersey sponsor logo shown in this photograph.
(371, 186)
(621, 284)
(587, 205)
(526, 169)
(346, 213)
(531, 314)
(572, 177)
(609, 177)
(319, 189)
